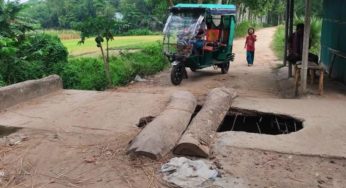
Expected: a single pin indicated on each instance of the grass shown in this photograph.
(119, 43)
(278, 44)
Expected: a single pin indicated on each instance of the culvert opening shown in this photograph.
(258, 122)
(5, 131)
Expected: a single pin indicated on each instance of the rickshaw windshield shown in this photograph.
(180, 28)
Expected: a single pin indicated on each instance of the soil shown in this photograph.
(79, 138)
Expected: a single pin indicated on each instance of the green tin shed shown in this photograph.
(333, 38)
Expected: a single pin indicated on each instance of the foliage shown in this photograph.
(36, 56)
(12, 25)
(315, 35)
(25, 57)
(84, 73)
(102, 26)
(316, 8)
(149, 61)
(88, 73)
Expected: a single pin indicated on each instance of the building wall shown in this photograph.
(334, 36)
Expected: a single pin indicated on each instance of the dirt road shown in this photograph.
(256, 81)
(79, 138)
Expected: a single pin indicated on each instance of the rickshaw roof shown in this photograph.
(217, 9)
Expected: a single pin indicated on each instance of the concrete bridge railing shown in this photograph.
(23, 91)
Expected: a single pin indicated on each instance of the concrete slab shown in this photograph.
(84, 111)
(323, 133)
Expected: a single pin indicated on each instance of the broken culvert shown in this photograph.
(259, 122)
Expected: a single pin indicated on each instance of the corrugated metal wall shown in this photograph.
(334, 36)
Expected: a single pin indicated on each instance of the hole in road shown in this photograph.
(258, 122)
(5, 131)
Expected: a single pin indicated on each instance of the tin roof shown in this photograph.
(211, 8)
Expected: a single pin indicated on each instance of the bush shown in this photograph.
(149, 61)
(84, 73)
(45, 49)
(34, 57)
(88, 73)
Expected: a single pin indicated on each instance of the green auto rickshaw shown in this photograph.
(199, 36)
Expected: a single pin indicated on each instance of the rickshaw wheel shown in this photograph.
(177, 74)
(224, 68)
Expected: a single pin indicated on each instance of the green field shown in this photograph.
(119, 43)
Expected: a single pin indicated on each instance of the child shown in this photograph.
(250, 46)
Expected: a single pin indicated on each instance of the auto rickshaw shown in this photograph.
(199, 36)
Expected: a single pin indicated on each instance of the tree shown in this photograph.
(103, 27)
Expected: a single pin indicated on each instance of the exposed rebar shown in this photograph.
(234, 121)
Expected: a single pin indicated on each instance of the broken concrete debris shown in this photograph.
(13, 140)
(139, 79)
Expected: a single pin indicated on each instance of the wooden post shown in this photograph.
(305, 59)
(290, 31)
(286, 30)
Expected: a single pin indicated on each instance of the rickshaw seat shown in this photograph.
(213, 35)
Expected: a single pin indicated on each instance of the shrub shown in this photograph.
(34, 57)
(121, 71)
(148, 61)
(84, 73)
(45, 49)
(88, 73)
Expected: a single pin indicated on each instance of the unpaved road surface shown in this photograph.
(255, 81)
(79, 138)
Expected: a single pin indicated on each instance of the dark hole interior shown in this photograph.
(5, 131)
(261, 123)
